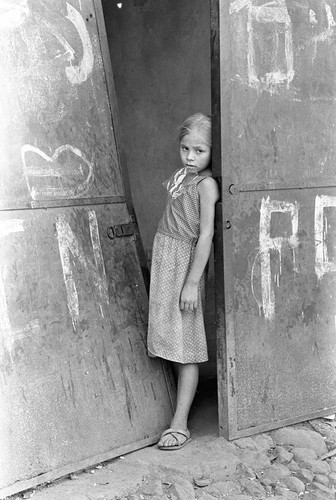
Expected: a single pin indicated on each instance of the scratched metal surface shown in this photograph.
(55, 128)
(282, 93)
(76, 383)
(75, 379)
(276, 318)
(282, 359)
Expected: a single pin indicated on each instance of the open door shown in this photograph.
(274, 89)
(76, 384)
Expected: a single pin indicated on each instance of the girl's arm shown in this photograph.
(209, 194)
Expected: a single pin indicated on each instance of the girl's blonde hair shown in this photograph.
(197, 122)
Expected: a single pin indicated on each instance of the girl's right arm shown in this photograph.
(209, 195)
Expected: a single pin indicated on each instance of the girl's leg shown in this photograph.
(186, 389)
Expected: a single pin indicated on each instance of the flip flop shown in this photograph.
(178, 446)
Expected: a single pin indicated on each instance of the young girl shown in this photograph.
(180, 253)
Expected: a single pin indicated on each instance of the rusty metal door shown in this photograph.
(76, 384)
(274, 89)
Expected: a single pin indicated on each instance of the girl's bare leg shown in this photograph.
(186, 389)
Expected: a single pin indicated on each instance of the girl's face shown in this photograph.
(194, 151)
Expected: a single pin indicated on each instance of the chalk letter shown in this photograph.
(67, 243)
(267, 244)
(322, 263)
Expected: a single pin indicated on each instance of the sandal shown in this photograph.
(179, 444)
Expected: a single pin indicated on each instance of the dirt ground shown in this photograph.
(295, 462)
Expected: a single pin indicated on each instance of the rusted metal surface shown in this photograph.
(76, 384)
(276, 303)
(75, 378)
(54, 105)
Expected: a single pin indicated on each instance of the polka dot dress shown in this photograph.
(173, 334)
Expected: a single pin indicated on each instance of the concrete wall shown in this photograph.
(160, 52)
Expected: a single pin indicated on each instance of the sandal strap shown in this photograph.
(186, 433)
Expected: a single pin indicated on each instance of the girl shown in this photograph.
(180, 253)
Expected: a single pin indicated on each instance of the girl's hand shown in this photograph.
(189, 295)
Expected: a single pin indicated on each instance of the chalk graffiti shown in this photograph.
(274, 14)
(59, 168)
(7, 227)
(326, 34)
(322, 262)
(268, 244)
(69, 244)
(101, 281)
(79, 73)
(12, 16)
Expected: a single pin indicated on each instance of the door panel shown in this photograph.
(76, 381)
(273, 87)
(56, 135)
(76, 384)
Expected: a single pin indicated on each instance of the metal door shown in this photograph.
(76, 384)
(274, 75)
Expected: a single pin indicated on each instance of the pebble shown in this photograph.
(302, 438)
(280, 465)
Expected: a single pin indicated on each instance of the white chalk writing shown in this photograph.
(322, 262)
(268, 244)
(68, 243)
(35, 171)
(275, 14)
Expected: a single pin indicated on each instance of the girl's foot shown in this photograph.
(174, 439)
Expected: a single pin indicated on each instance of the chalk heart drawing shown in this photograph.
(13, 13)
(66, 174)
(275, 14)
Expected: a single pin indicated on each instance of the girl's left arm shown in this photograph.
(209, 194)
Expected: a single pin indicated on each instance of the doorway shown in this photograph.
(161, 57)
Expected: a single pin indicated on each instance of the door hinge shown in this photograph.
(120, 230)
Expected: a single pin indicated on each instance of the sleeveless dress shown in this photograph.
(173, 334)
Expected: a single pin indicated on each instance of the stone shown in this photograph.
(293, 466)
(285, 493)
(152, 487)
(332, 478)
(303, 455)
(332, 464)
(300, 438)
(245, 471)
(264, 442)
(320, 488)
(227, 487)
(274, 474)
(204, 496)
(318, 466)
(253, 488)
(241, 497)
(255, 459)
(322, 479)
(305, 475)
(180, 492)
(180, 487)
(314, 495)
(295, 484)
(283, 456)
(224, 469)
(246, 444)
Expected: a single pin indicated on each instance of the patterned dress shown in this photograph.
(173, 334)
